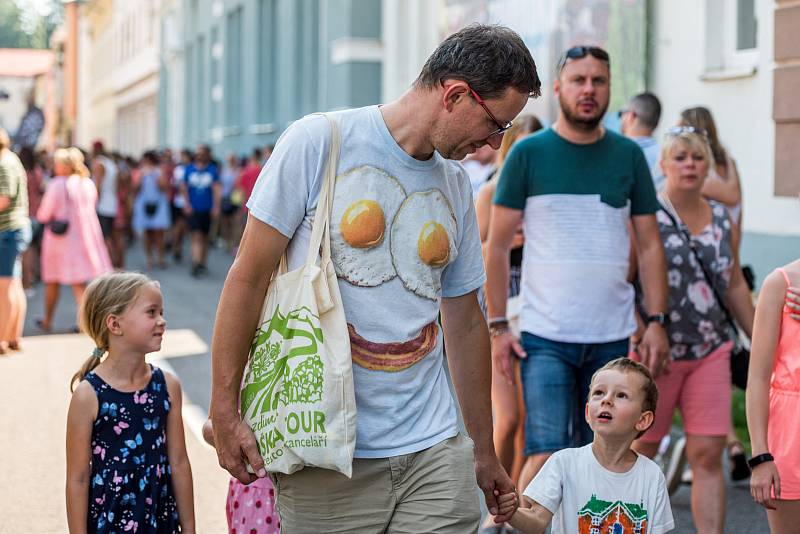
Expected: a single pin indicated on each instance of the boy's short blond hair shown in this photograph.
(626, 365)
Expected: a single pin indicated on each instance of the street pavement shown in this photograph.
(34, 393)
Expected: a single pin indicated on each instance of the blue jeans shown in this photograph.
(555, 381)
(12, 244)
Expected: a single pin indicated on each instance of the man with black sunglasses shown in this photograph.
(577, 188)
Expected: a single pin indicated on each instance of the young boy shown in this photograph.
(604, 487)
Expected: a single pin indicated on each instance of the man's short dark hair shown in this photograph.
(489, 58)
(647, 108)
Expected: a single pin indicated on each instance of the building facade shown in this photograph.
(739, 59)
(243, 70)
(118, 75)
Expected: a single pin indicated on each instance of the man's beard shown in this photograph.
(581, 123)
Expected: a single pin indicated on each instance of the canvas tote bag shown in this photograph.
(297, 393)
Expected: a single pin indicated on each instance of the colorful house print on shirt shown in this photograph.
(603, 517)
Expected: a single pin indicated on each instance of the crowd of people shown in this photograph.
(90, 208)
(587, 286)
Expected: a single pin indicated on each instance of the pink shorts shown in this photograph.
(702, 391)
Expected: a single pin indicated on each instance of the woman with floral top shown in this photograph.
(698, 236)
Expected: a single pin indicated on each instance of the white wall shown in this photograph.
(742, 106)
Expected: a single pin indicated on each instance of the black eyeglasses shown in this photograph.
(578, 52)
(501, 128)
(676, 131)
(622, 112)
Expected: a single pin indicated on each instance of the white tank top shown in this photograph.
(107, 199)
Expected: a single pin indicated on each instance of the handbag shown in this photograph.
(740, 355)
(297, 392)
(60, 226)
(150, 208)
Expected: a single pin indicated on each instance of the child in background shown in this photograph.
(250, 509)
(604, 486)
(127, 468)
(773, 401)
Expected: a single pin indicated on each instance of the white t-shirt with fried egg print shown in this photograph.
(403, 235)
(587, 498)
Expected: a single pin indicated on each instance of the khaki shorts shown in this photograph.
(433, 490)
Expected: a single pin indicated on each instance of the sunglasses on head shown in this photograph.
(579, 52)
(676, 131)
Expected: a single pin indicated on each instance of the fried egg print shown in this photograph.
(366, 200)
(423, 235)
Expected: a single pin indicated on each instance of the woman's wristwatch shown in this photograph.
(760, 459)
(661, 318)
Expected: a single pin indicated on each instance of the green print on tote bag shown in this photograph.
(297, 393)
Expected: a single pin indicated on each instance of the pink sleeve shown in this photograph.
(46, 206)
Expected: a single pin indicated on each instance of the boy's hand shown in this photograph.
(507, 504)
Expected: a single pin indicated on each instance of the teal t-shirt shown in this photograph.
(545, 164)
(577, 200)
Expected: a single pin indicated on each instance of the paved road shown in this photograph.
(190, 306)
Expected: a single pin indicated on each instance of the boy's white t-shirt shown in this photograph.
(586, 498)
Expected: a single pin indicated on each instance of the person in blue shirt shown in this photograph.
(201, 191)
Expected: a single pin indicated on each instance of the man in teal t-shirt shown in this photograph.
(577, 188)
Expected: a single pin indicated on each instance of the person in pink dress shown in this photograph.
(79, 254)
(773, 400)
(249, 508)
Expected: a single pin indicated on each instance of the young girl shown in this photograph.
(773, 401)
(249, 508)
(127, 468)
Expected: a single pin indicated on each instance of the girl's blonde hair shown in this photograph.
(73, 158)
(523, 125)
(110, 294)
(690, 138)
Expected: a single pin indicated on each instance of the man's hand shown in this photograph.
(504, 346)
(654, 349)
(793, 301)
(494, 483)
(236, 444)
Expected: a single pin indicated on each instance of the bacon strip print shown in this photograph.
(392, 357)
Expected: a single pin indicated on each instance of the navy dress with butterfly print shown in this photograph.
(131, 484)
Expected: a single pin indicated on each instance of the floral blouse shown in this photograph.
(698, 325)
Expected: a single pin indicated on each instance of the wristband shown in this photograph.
(760, 459)
(496, 330)
(494, 321)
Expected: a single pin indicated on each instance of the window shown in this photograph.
(233, 68)
(267, 61)
(731, 39)
(202, 92)
(213, 72)
(745, 24)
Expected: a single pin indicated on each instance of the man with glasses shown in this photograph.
(405, 245)
(576, 187)
(638, 120)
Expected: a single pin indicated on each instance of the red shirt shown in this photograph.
(248, 180)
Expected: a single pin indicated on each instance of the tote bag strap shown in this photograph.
(320, 231)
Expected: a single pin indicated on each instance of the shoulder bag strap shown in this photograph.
(320, 232)
(687, 238)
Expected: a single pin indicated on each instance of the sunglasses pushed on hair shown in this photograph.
(676, 131)
(580, 52)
